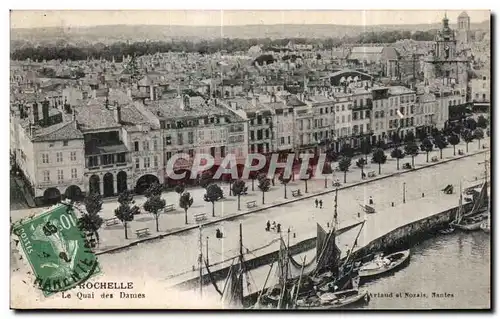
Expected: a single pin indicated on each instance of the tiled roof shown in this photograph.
(292, 100)
(58, 132)
(368, 50)
(398, 90)
(131, 116)
(94, 117)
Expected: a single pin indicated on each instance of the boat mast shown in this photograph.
(265, 283)
(294, 301)
(200, 262)
(355, 240)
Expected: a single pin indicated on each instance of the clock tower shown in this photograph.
(445, 47)
(444, 62)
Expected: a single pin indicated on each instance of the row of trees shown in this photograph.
(119, 49)
(91, 222)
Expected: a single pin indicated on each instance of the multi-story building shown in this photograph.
(142, 136)
(401, 110)
(362, 100)
(190, 125)
(108, 165)
(49, 152)
(343, 113)
(380, 114)
(426, 106)
(480, 88)
(451, 102)
(283, 120)
(259, 120)
(323, 118)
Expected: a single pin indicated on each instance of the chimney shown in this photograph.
(34, 110)
(45, 112)
(117, 112)
(151, 92)
(75, 123)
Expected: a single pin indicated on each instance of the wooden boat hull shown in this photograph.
(446, 231)
(473, 226)
(361, 296)
(469, 227)
(367, 274)
(485, 227)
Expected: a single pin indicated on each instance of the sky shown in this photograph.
(73, 18)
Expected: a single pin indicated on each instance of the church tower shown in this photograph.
(463, 32)
(444, 63)
(445, 42)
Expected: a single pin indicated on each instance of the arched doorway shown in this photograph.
(73, 193)
(52, 195)
(121, 179)
(144, 182)
(108, 187)
(94, 185)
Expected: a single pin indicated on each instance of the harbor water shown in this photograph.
(447, 271)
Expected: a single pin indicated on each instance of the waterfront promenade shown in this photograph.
(169, 260)
(113, 236)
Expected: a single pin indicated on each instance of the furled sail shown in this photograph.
(232, 296)
(479, 202)
(330, 254)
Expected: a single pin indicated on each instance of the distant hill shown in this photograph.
(112, 33)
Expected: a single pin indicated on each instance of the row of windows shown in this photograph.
(260, 134)
(146, 162)
(145, 145)
(394, 101)
(401, 123)
(288, 139)
(60, 175)
(361, 114)
(59, 157)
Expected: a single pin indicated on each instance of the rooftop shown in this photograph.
(398, 90)
(95, 116)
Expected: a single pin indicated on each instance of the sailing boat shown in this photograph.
(322, 271)
(473, 220)
(458, 217)
(232, 292)
(487, 225)
(335, 285)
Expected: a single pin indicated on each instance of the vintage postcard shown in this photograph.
(315, 160)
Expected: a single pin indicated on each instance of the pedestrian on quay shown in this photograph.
(268, 225)
(320, 203)
(316, 202)
(274, 225)
(278, 228)
(370, 201)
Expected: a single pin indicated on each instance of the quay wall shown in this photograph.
(405, 236)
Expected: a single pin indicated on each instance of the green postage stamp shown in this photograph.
(60, 254)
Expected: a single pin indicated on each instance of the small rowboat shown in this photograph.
(446, 231)
(471, 223)
(485, 227)
(368, 209)
(333, 300)
(383, 264)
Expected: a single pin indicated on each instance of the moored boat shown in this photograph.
(472, 223)
(446, 231)
(333, 300)
(383, 264)
(485, 227)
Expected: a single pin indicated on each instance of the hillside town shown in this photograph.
(100, 126)
(177, 174)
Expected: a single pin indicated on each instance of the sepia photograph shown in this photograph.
(250, 160)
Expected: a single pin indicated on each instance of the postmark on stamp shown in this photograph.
(58, 251)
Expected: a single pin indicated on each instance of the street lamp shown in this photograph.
(404, 192)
